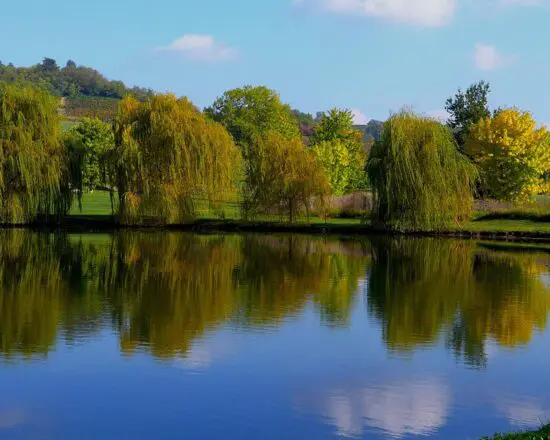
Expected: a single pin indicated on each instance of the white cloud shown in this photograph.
(524, 412)
(429, 13)
(398, 409)
(521, 2)
(359, 117)
(487, 57)
(422, 13)
(201, 48)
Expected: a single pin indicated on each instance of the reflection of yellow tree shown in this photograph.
(30, 291)
(170, 289)
(164, 290)
(278, 275)
(421, 288)
(167, 289)
(414, 286)
(515, 301)
(43, 292)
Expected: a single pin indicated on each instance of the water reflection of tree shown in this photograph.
(31, 292)
(171, 289)
(162, 291)
(278, 275)
(421, 289)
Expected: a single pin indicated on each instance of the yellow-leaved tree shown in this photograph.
(512, 154)
(168, 157)
(335, 159)
(284, 178)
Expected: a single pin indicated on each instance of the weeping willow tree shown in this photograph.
(283, 178)
(33, 183)
(168, 156)
(420, 181)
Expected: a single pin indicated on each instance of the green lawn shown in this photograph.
(93, 203)
(97, 203)
(505, 225)
(542, 434)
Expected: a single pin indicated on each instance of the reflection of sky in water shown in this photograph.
(11, 418)
(300, 376)
(524, 411)
(417, 408)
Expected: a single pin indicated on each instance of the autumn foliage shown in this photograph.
(512, 154)
(168, 155)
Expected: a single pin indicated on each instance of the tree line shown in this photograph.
(71, 80)
(162, 155)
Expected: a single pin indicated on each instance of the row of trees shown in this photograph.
(163, 155)
(69, 81)
(425, 175)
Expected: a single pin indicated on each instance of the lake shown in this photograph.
(152, 335)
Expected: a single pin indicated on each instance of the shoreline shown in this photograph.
(108, 223)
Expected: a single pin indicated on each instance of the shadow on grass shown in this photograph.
(533, 216)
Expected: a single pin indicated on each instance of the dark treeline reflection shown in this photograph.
(469, 293)
(160, 292)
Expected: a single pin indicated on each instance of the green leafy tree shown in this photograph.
(251, 111)
(252, 115)
(33, 168)
(467, 108)
(420, 180)
(334, 157)
(90, 146)
(337, 126)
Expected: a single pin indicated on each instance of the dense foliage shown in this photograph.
(336, 126)
(70, 81)
(250, 150)
(168, 155)
(335, 159)
(512, 154)
(90, 148)
(419, 179)
(249, 112)
(279, 175)
(33, 168)
(467, 108)
(285, 178)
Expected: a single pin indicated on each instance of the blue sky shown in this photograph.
(373, 56)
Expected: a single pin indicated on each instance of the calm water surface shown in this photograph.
(180, 336)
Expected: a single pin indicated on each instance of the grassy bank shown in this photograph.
(542, 434)
(504, 224)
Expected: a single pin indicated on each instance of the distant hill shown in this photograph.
(372, 131)
(86, 92)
